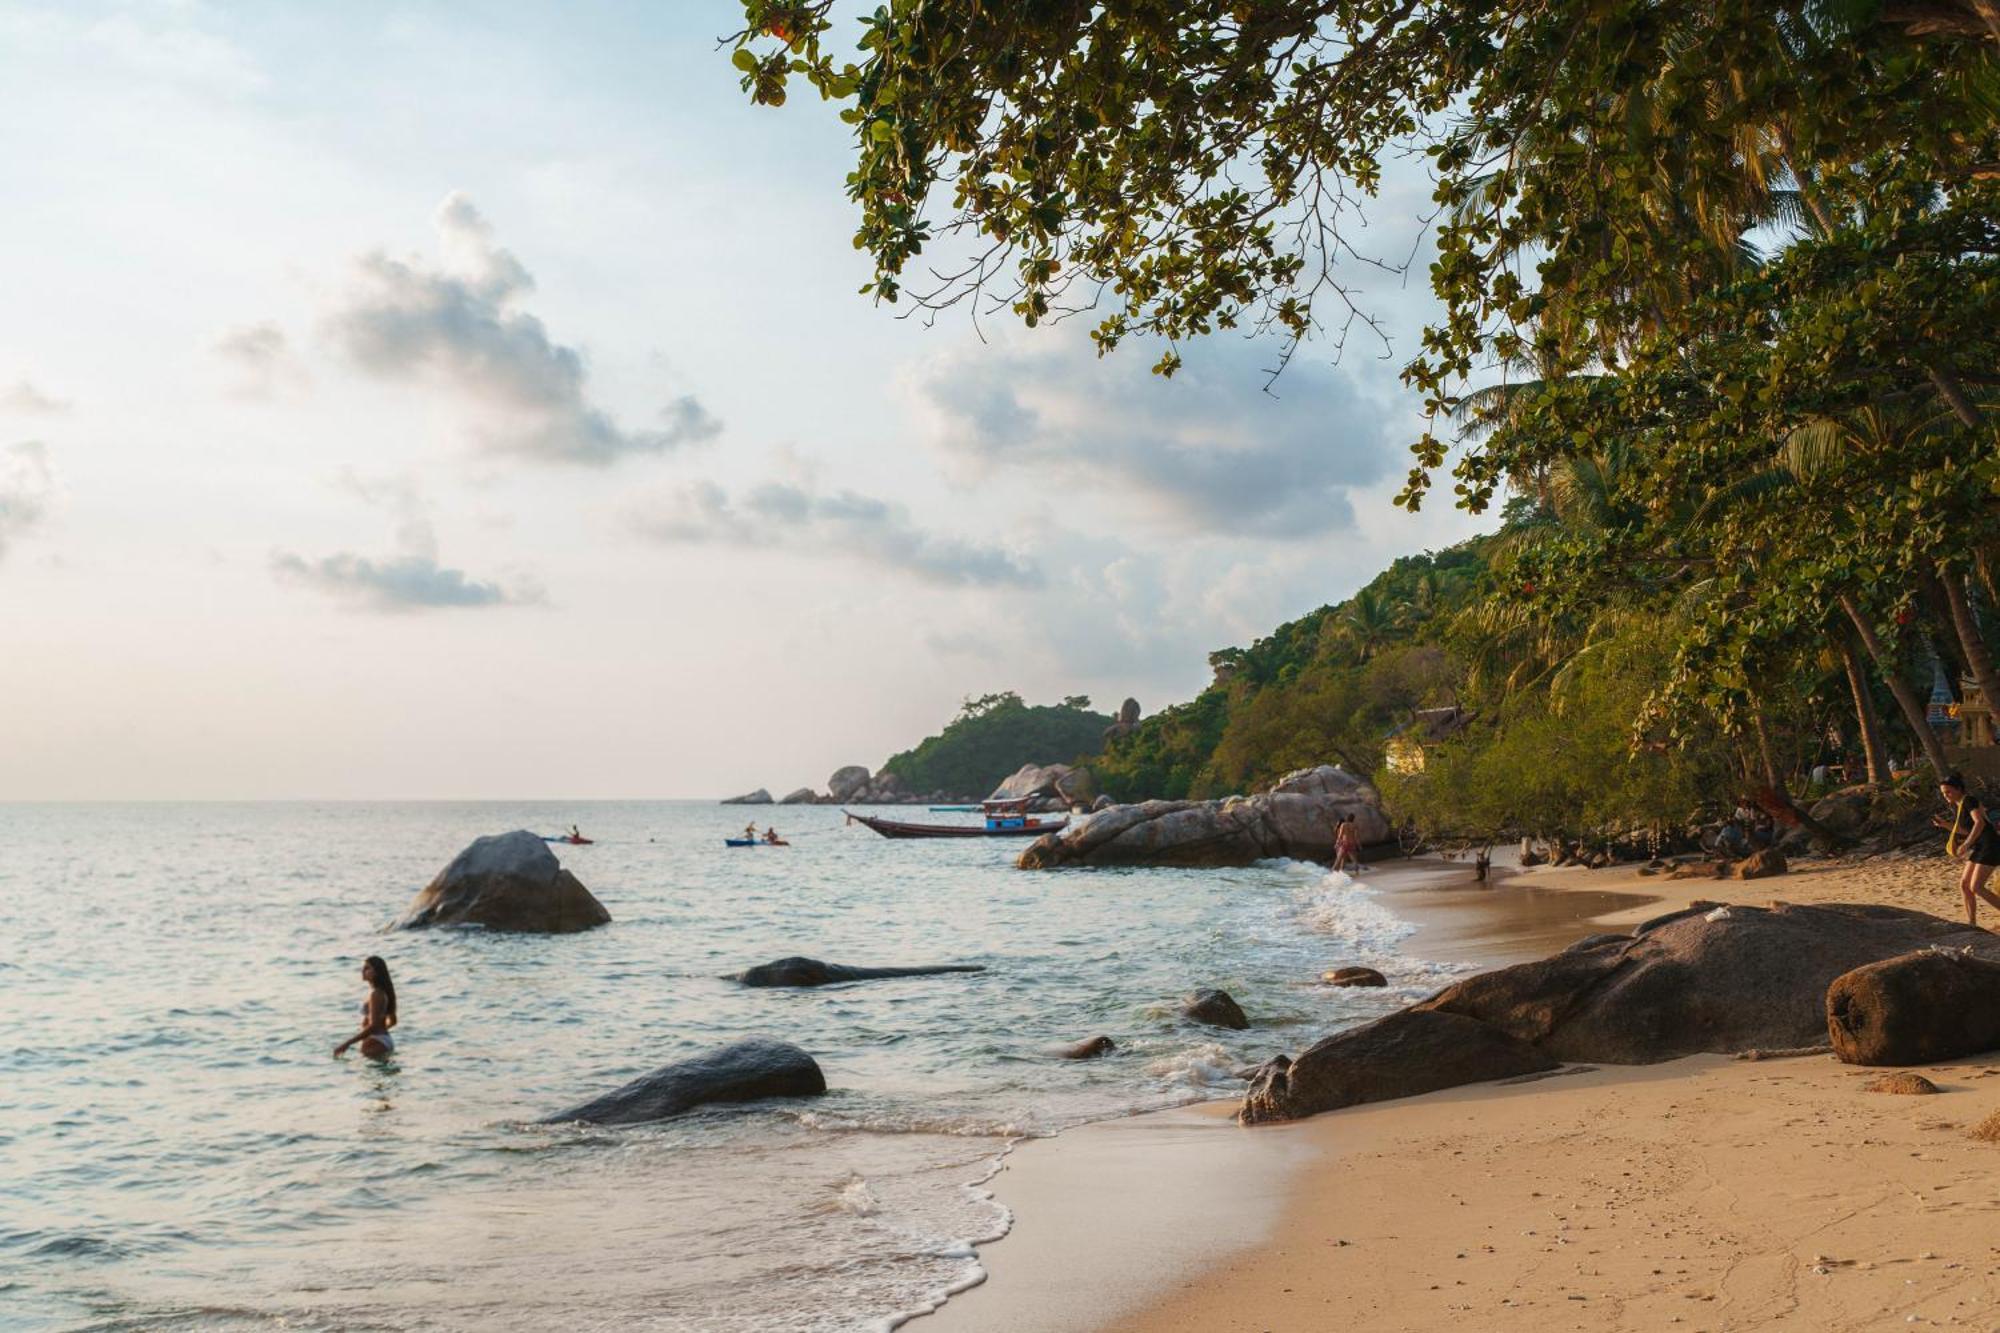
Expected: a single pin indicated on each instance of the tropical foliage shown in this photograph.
(991, 737)
(1718, 321)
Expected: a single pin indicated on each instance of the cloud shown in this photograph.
(27, 490)
(461, 325)
(23, 396)
(793, 516)
(413, 579)
(261, 360)
(400, 583)
(1207, 453)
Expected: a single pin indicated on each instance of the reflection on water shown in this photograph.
(178, 1149)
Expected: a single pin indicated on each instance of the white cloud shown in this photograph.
(410, 580)
(801, 518)
(260, 360)
(1210, 452)
(461, 325)
(27, 490)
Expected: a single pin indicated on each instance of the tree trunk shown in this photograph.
(1954, 397)
(1977, 658)
(1906, 698)
(1872, 748)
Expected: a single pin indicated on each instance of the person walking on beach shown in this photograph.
(1970, 837)
(1346, 845)
(378, 1013)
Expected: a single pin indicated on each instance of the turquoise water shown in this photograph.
(178, 1149)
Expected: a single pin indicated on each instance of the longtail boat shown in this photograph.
(1003, 819)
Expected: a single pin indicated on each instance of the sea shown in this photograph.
(179, 1149)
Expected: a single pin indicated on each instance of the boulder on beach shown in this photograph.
(1216, 1008)
(745, 1071)
(1761, 864)
(506, 881)
(758, 797)
(846, 783)
(803, 796)
(1728, 979)
(1092, 1049)
(1408, 1053)
(812, 972)
(1295, 818)
(1354, 976)
(1902, 1085)
(1916, 1009)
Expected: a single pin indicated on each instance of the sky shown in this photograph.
(416, 401)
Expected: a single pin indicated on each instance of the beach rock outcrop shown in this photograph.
(1354, 976)
(745, 1071)
(1032, 780)
(1903, 1085)
(1406, 1054)
(758, 797)
(846, 783)
(1731, 978)
(1761, 864)
(1216, 1008)
(803, 796)
(1295, 818)
(506, 881)
(1078, 788)
(1094, 1048)
(1917, 1009)
(812, 972)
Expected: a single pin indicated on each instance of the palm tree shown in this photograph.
(1368, 622)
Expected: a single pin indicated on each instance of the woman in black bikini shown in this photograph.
(1970, 837)
(378, 1013)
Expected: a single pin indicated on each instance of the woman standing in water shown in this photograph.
(378, 1013)
(1970, 837)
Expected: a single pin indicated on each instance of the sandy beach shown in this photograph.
(1707, 1193)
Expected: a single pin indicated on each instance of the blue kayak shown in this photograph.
(753, 842)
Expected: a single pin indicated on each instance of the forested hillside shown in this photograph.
(992, 736)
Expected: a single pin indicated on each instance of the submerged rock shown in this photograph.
(1732, 978)
(1917, 1009)
(745, 1071)
(1092, 1049)
(1408, 1053)
(506, 881)
(1354, 976)
(812, 972)
(1295, 818)
(1215, 1008)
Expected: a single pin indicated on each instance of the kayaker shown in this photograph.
(575, 834)
(771, 836)
(750, 830)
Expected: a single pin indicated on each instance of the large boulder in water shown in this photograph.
(846, 783)
(803, 796)
(746, 1071)
(1916, 1009)
(1295, 818)
(1405, 1054)
(1732, 978)
(506, 881)
(758, 797)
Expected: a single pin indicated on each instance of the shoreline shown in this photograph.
(1475, 1200)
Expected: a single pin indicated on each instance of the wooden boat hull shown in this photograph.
(890, 828)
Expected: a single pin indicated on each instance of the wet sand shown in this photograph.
(1706, 1193)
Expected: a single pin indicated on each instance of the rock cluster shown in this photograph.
(1295, 818)
(506, 881)
(1049, 788)
(855, 785)
(1712, 978)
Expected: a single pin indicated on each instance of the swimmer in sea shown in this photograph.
(378, 1013)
